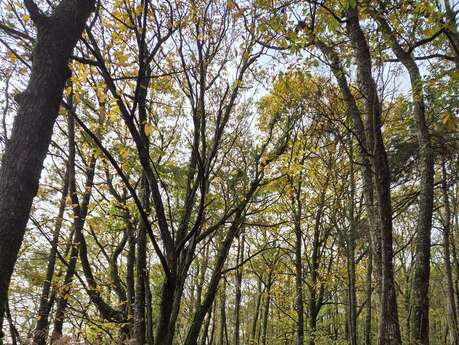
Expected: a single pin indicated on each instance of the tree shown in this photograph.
(25, 151)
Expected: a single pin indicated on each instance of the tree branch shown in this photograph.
(35, 14)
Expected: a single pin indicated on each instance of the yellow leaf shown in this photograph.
(148, 128)
(11, 57)
(448, 120)
(124, 152)
(230, 5)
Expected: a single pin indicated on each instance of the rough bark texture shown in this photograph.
(420, 295)
(389, 328)
(33, 126)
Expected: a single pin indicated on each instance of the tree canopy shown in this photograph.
(225, 172)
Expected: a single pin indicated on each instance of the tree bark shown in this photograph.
(451, 30)
(141, 262)
(352, 297)
(25, 152)
(149, 311)
(369, 290)
(450, 300)
(238, 297)
(221, 335)
(253, 333)
(299, 304)
(130, 272)
(389, 328)
(264, 330)
(420, 295)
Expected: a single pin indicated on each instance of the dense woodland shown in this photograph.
(225, 172)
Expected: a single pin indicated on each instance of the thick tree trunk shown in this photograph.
(420, 295)
(13, 331)
(389, 328)
(141, 258)
(25, 152)
(163, 334)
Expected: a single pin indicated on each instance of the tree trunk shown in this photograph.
(314, 299)
(79, 218)
(299, 304)
(369, 290)
(149, 311)
(420, 294)
(237, 307)
(141, 262)
(451, 29)
(40, 333)
(450, 300)
(389, 328)
(264, 330)
(253, 333)
(25, 152)
(203, 309)
(352, 297)
(221, 335)
(130, 272)
(206, 328)
(364, 135)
